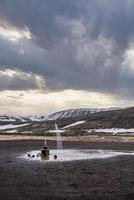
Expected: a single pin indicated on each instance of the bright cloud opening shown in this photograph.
(35, 102)
(13, 34)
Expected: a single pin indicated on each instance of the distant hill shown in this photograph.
(77, 112)
(73, 122)
(55, 116)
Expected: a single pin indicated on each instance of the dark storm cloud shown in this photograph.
(74, 44)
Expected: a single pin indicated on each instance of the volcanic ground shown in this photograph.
(109, 178)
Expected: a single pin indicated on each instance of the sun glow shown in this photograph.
(40, 102)
(13, 34)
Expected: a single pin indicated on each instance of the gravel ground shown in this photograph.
(111, 178)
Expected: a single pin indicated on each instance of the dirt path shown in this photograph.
(90, 138)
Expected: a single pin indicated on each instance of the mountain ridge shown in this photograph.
(75, 122)
(55, 116)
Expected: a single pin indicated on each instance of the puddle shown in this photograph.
(73, 154)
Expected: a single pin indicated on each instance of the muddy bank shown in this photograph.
(111, 178)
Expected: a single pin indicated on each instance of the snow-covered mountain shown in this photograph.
(72, 122)
(7, 118)
(78, 112)
(58, 115)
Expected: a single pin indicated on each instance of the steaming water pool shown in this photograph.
(73, 154)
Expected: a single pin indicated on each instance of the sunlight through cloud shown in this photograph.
(13, 34)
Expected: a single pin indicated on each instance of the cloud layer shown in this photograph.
(18, 80)
(58, 45)
(34, 102)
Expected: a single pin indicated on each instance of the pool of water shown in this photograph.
(74, 154)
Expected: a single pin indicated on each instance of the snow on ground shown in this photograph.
(12, 126)
(11, 131)
(74, 124)
(113, 131)
(25, 132)
(56, 131)
(37, 118)
(9, 120)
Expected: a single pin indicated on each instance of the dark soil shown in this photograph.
(100, 179)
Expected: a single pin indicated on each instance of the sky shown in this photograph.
(56, 55)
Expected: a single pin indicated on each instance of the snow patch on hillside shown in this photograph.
(56, 131)
(74, 124)
(113, 131)
(12, 126)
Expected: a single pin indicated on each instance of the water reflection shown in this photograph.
(73, 154)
